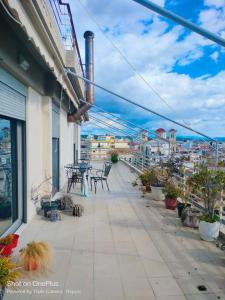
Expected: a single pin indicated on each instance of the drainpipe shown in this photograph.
(89, 74)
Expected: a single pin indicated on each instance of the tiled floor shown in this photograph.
(124, 247)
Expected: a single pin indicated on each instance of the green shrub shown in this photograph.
(114, 157)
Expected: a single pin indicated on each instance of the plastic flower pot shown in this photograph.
(49, 206)
(157, 193)
(15, 240)
(6, 250)
(171, 203)
(180, 208)
(209, 231)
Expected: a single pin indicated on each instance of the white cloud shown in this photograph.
(198, 101)
(215, 56)
(216, 3)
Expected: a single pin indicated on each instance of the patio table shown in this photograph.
(82, 168)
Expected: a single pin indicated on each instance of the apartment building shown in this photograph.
(99, 147)
(37, 99)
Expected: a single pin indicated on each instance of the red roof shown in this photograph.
(174, 130)
(160, 130)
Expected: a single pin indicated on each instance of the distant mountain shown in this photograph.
(197, 138)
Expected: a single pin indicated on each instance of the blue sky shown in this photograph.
(186, 70)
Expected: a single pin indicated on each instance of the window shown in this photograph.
(8, 174)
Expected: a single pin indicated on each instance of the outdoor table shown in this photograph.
(83, 168)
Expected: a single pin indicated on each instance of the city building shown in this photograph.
(160, 144)
(99, 147)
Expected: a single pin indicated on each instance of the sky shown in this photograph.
(185, 72)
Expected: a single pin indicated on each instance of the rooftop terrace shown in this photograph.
(125, 247)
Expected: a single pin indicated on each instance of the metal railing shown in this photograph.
(142, 163)
(64, 21)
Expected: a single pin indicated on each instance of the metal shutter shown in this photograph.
(12, 103)
(12, 96)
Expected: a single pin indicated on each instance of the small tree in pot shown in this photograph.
(171, 192)
(145, 178)
(209, 184)
(114, 157)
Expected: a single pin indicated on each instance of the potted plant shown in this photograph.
(181, 206)
(158, 177)
(145, 178)
(134, 183)
(36, 255)
(171, 192)
(7, 243)
(114, 157)
(209, 184)
(48, 206)
(8, 273)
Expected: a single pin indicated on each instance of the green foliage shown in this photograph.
(6, 240)
(154, 176)
(145, 177)
(209, 218)
(172, 191)
(114, 157)
(7, 271)
(134, 183)
(208, 184)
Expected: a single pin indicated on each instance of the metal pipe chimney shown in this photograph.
(89, 74)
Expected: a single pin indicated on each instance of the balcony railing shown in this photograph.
(64, 20)
(142, 163)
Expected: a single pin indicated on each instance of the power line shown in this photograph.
(128, 122)
(128, 62)
(141, 106)
(111, 126)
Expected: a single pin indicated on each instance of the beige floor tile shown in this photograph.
(165, 286)
(122, 250)
(107, 286)
(136, 287)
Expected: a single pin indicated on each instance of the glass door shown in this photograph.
(10, 183)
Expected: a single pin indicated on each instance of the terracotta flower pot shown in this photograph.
(171, 203)
(31, 265)
(148, 188)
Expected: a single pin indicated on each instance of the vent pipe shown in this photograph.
(89, 74)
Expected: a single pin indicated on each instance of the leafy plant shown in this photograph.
(208, 184)
(172, 191)
(145, 178)
(158, 176)
(6, 240)
(134, 183)
(114, 157)
(8, 271)
(36, 255)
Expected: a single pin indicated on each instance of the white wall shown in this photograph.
(39, 146)
(77, 139)
(66, 145)
(38, 129)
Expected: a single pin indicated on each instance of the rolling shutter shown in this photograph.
(12, 96)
